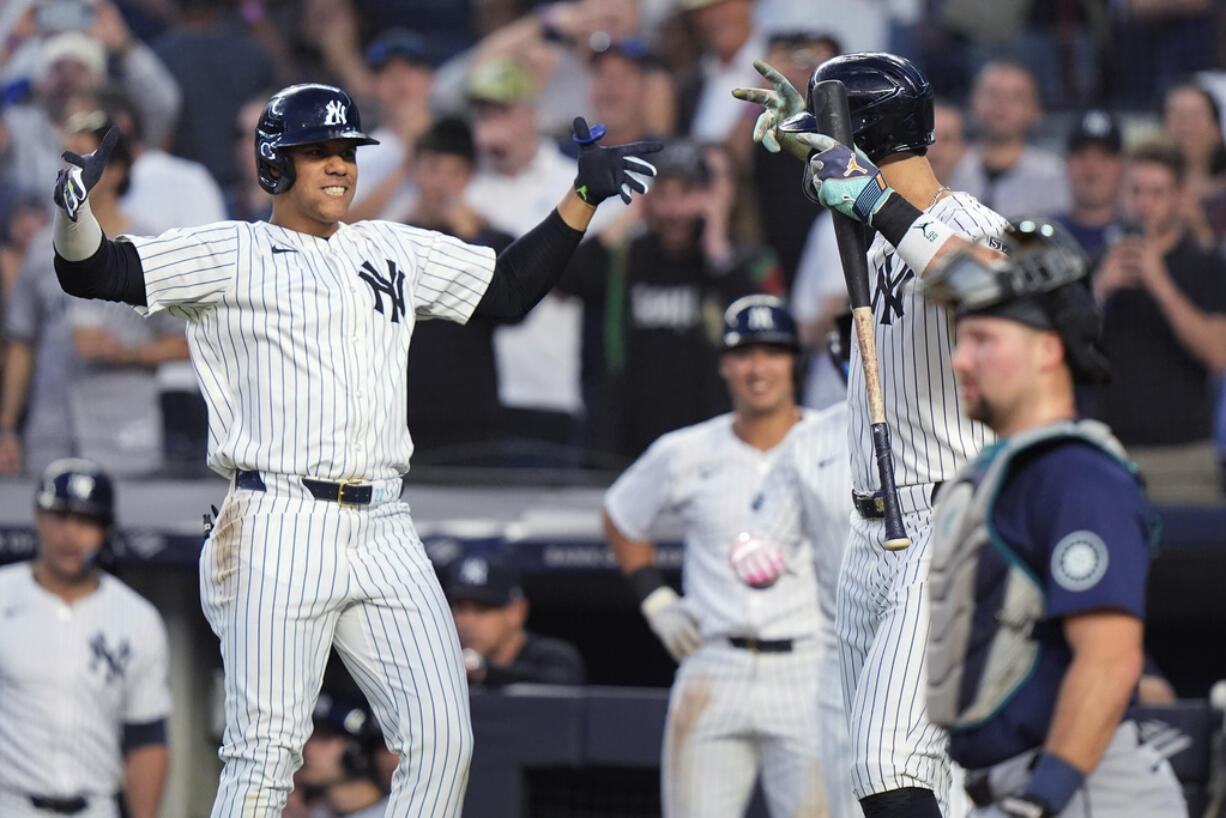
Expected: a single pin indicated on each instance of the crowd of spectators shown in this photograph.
(1105, 115)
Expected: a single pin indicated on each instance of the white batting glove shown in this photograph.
(672, 623)
(757, 562)
(781, 103)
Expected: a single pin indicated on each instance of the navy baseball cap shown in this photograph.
(340, 717)
(759, 319)
(486, 578)
(398, 42)
(1095, 127)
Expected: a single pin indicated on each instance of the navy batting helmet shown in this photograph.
(1042, 284)
(302, 115)
(77, 486)
(759, 319)
(889, 99)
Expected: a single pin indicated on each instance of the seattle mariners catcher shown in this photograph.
(899, 762)
(1040, 551)
(299, 330)
(84, 693)
(748, 630)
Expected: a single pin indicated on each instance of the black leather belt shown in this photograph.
(64, 806)
(345, 493)
(868, 506)
(761, 645)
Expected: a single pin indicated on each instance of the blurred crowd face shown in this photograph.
(674, 209)
(441, 180)
(321, 760)
(66, 77)
(1095, 174)
(402, 84)
(67, 543)
(505, 136)
(759, 378)
(723, 26)
(245, 123)
(797, 60)
(1151, 196)
(618, 88)
(1005, 102)
(949, 141)
(1188, 119)
(486, 628)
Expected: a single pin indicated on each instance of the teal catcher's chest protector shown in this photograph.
(981, 653)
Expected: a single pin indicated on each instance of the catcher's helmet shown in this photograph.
(889, 99)
(759, 319)
(1043, 284)
(302, 115)
(77, 486)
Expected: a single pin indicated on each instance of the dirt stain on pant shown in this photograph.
(694, 700)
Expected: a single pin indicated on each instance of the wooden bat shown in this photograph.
(829, 101)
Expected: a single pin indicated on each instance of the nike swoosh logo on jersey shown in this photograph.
(11, 611)
(276, 250)
(821, 464)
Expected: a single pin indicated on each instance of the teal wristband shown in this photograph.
(1053, 782)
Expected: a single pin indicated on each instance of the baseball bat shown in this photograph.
(834, 119)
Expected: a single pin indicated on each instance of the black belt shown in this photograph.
(761, 645)
(872, 507)
(347, 494)
(64, 806)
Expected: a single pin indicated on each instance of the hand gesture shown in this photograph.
(671, 622)
(74, 183)
(605, 172)
(845, 180)
(780, 103)
(1120, 267)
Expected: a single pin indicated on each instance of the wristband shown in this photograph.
(645, 580)
(923, 240)
(1053, 782)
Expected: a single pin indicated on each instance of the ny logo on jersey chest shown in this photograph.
(889, 291)
(113, 661)
(392, 286)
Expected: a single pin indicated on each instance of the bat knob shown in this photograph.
(897, 544)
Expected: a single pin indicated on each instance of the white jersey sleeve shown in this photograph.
(451, 275)
(147, 697)
(642, 492)
(194, 266)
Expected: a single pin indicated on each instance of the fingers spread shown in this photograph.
(758, 96)
(642, 166)
(108, 142)
(73, 158)
(817, 141)
(639, 147)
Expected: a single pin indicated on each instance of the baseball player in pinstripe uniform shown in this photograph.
(748, 630)
(899, 765)
(84, 693)
(299, 331)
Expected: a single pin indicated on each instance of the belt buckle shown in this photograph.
(751, 645)
(879, 502)
(340, 492)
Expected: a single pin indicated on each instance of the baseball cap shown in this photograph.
(340, 717)
(682, 159)
(485, 578)
(74, 45)
(398, 42)
(632, 48)
(759, 319)
(502, 81)
(1095, 127)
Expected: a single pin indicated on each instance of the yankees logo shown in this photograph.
(114, 662)
(392, 287)
(889, 291)
(761, 318)
(335, 113)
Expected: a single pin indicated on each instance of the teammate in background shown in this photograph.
(84, 695)
(1036, 644)
(747, 632)
(338, 776)
(489, 608)
(899, 766)
(299, 330)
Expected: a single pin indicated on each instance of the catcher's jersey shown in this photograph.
(709, 477)
(70, 677)
(807, 496)
(930, 436)
(301, 343)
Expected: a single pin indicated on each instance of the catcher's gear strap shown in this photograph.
(112, 273)
(528, 269)
(962, 527)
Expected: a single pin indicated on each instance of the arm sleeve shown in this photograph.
(147, 698)
(189, 266)
(529, 269)
(113, 273)
(637, 498)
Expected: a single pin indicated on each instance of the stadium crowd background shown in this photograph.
(1103, 112)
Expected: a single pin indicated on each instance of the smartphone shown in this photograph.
(54, 16)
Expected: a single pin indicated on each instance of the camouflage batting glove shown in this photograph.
(781, 101)
(605, 172)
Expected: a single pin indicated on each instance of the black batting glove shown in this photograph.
(74, 183)
(1024, 806)
(603, 172)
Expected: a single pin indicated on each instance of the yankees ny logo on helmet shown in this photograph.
(335, 113)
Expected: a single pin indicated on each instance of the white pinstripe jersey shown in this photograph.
(807, 496)
(300, 343)
(709, 477)
(70, 677)
(930, 436)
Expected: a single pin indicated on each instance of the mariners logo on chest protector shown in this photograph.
(391, 285)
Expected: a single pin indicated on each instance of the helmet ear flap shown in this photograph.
(274, 167)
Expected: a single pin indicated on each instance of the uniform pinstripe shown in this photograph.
(882, 617)
(805, 496)
(733, 713)
(300, 345)
(70, 677)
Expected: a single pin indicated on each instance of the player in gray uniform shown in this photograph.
(899, 765)
(1036, 646)
(299, 330)
(748, 631)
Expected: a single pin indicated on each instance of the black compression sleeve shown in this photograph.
(895, 218)
(114, 273)
(528, 269)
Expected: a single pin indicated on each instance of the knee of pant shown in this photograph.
(908, 802)
(452, 745)
(263, 765)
